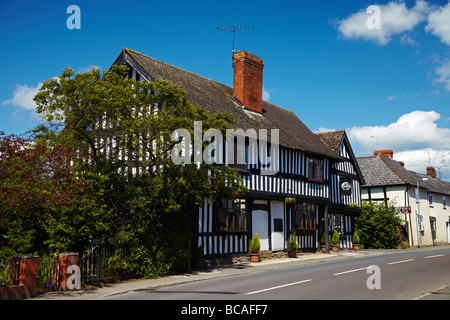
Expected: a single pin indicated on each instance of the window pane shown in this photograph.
(338, 223)
(298, 216)
(304, 216)
(231, 215)
(315, 169)
(221, 219)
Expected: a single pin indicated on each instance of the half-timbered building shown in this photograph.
(346, 180)
(309, 168)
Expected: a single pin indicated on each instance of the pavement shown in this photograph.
(113, 289)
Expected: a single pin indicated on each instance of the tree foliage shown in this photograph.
(377, 225)
(43, 201)
(135, 192)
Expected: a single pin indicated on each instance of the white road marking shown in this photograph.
(402, 261)
(344, 272)
(438, 255)
(277, 287)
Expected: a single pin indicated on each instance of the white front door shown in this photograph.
(277, 213)
(260, 226)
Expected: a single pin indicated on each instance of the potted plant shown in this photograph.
(255, 246)
(289, 200)
(293, 245)
(322, 243)
(356, 241)
(197, 259)
(335, 241)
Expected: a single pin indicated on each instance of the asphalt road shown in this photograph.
(405, 275)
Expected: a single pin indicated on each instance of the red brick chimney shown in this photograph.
(248, 77)
(388, 153)
(431, 171)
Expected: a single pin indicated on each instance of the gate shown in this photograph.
(104, 261)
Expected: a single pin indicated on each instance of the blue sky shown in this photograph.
(388, 87)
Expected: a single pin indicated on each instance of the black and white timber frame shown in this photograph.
(328, 206)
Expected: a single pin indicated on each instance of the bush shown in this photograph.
(335, 238)
(377, 225)
(293, 245)
(255, 245)
(322, 240)
(356, 239)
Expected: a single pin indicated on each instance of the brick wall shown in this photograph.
(248, 78)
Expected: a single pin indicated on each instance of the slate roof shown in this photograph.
(218, 98)
(381, 170)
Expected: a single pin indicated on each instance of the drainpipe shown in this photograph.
(327, 240)
(407, 203)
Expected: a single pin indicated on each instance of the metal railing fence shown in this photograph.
(104, 261)
(9, 272)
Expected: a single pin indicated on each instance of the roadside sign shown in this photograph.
(405, 210)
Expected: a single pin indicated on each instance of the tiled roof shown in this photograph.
(218, 98)
(332, 139)
(381, 170)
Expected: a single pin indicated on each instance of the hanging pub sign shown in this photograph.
(346, 185)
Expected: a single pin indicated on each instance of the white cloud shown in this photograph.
(439, 23)
(87, 69)
(419, 160)
(23, 97)
(415, 139)
(266, 93)
(443, 72)
(322, 130)
(395, 19)
(412, 131)
(390, 98)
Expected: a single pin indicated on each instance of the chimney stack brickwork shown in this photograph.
(388, 153)
(248, 77)
(431, 171)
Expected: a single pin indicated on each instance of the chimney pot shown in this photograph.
(247, 82)
(388, 153)
(431, 171)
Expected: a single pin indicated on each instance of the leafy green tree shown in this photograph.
(125, 127)
(377, 225)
